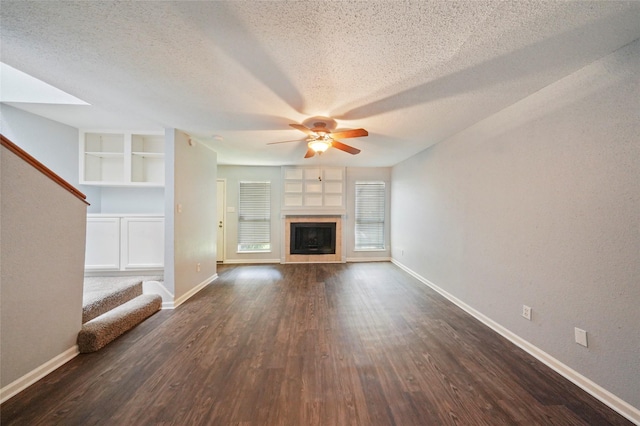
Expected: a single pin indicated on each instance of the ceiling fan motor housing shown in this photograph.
(320, 128)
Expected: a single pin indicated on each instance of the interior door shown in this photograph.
(220, 207)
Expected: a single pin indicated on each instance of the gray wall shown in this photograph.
(42, 251)
(56, 146)
(52, 143)
(234, 174)
(132, 200)
(190, 235)
(540, 205)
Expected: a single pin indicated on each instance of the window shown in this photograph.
(254, 217)
(370, 215)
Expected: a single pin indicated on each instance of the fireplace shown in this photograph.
(313, 238)
(328, 227)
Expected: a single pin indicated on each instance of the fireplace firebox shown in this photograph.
(313, 238)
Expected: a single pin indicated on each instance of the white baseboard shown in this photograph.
(612, 401)
(157, 287)
(368, 259)
(180, 300)
(349, 259)
(33, 376)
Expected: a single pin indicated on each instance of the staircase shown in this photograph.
(112, 306)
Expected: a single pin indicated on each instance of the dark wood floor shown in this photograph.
(341, 344)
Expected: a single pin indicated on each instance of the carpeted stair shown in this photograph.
(111, 307)
(101, 294)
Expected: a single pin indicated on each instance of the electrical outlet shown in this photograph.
(581, 337)
(526, 312)
(198, 267)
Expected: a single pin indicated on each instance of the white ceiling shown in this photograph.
(235, 74)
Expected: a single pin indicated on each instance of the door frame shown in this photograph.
(221, 257)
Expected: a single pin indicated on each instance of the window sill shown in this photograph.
(382, 249)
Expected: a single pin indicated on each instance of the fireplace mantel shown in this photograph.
(312, 213)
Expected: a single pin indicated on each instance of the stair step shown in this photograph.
(102, 330)
(102, 294)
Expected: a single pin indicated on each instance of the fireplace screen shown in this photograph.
(313, 238)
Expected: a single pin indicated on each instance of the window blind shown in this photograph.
(370, 201)
(254, 217)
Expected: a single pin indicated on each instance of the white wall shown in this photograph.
(53, 144)
(190, 235)
(540, 205)
(43, 232)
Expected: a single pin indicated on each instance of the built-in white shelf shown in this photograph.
(149, 154)
(121, 158)
(106, 154)
(313, 189)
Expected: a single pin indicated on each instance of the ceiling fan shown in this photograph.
(320, 138)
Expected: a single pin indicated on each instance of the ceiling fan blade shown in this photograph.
(302, 129)
(343, 147)
(292, 140)
(353, 133)
(310, 153)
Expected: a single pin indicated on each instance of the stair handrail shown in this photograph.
(24, 155)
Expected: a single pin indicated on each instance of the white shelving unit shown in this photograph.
(121, 158)
(147, 159)
(102, 158)
(313, 188)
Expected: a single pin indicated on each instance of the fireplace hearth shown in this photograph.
(312, 238)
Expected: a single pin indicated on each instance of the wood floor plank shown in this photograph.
(313, 344)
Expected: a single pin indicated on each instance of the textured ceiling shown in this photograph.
(235, 74)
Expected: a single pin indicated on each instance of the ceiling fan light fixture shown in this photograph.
(319, 145)
(320, 138)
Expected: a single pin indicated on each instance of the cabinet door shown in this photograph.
(103, 244)
(142, 242)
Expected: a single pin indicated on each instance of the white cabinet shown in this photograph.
(121, 159)
(124, 243)
(142, 242)
(103, 244)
